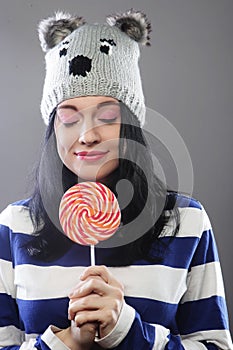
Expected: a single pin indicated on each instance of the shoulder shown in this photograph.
(193, 219)
(182, 201)
(16, 217)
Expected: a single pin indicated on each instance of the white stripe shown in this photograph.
(31, 336)
(193, 222)
(7, 278)
(206, 221)
(166, 284)
(221, 338)
(204, 281)
(29, 345)
(37, 282)
(17, 218)
(10, 335)
(193, 345)
(161, 337)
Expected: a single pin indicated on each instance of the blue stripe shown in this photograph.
(202, 315)
(179, 251)
(54, 311)
(207, 250)
(182, 201)
(78, 255)
(153, 311)
(210, 346)
(174, 343)
(179, 254)
(5, 252)
(51, 311)
(40, 345)
(9, 311)
(23, 202)
(140, 336)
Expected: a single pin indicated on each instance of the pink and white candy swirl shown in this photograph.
(89, 212)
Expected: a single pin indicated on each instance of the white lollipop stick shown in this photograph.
(92, 251)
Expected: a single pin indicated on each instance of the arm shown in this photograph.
(12, 335)
(201, 316)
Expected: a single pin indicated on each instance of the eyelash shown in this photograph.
(108, 121)
(67, 125)
(105, 121)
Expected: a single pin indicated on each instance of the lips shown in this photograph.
(91, 155)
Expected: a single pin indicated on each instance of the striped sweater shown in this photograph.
(174, 305)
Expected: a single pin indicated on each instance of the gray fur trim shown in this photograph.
(134, 23)
(54, 29)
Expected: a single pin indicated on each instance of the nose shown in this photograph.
(89, 134)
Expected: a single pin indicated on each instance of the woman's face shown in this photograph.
(87, 132)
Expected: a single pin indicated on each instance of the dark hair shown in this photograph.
(149, 196)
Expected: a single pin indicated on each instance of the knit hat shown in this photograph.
(93, 59)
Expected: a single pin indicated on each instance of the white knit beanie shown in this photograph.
(93, 59)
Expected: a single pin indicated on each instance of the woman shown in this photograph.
(159, 285)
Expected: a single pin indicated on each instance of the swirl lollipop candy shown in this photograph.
(89, 213)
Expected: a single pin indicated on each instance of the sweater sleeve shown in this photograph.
(202, 317)
(12, 335)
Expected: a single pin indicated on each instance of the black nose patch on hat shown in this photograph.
(80, 65)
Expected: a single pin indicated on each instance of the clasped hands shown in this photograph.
(94, 307)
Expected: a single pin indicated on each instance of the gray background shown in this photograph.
(187, 77)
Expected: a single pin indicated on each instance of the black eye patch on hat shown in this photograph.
(106, 45)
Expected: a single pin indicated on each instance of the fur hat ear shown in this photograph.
(54, 29)
(134, 23)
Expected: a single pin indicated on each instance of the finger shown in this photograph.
(72, 293)
(96, 286)
(92, 302)
(103, 272)
(100, 271)
(106, 320)
(90, 286)
(91, 317)
(85, 334)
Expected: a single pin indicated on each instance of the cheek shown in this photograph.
(111, 135)
(112, 145)
(65, 138)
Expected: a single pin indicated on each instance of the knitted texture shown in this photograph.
(95, 59)
(176, 304)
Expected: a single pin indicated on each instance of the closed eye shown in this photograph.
(108, 120)
(67, 118)
(69, 124)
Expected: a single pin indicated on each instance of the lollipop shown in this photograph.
(89, 213)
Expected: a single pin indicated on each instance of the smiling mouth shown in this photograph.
(90, 156)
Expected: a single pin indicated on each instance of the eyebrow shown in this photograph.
(99, 105)
(67, 107)
(106, 103)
